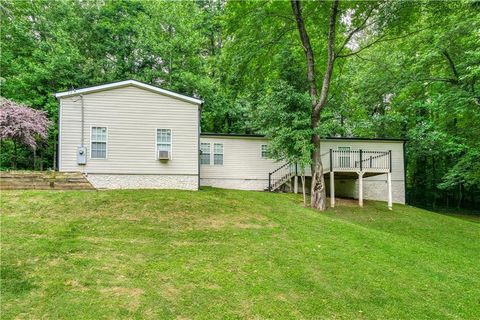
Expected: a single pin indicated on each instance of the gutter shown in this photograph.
(206, 134)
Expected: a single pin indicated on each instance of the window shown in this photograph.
(218, 154)
(98, 140)
(204, 153)
(164, 141)
(264, 151)
(344, 157)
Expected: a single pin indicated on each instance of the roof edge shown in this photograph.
(238, 135)
(119, 84)
(324, 138)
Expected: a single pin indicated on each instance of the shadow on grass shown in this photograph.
(14, 281)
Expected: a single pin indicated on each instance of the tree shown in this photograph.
(362, 25)
(22, 125)
(319, 99)
(287, 124)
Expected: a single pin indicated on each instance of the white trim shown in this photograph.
(59, 149)
(90, 142)
(171, 142)
(119, 84)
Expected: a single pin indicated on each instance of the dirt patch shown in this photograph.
(169, 292)
(76, 285)
(130, 296)
(344, 202)
(229, 220)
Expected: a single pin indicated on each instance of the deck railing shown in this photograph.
(360, 160)
(336, 160)
(375, 161)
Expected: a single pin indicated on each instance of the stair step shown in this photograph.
(23, 180)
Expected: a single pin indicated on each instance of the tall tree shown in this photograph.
(319, 99)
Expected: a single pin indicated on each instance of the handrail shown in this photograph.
(384, 153)
(281, 167)
(278, 176)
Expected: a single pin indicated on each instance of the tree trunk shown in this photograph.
(318, 195)
(34, 159)
(15, 155)
(303, 187)
(460, 196)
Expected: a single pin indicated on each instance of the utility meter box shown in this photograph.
(81, 155)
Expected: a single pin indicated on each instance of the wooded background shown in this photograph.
(416, 75)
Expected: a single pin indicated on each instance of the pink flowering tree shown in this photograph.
(22, 125)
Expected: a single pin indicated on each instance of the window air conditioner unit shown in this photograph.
(163, 155)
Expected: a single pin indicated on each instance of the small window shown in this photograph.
(264, 151)
(218, 154)
(98, 143)
(205, 153)
(164, 140)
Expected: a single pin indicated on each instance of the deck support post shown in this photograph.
(332, 189)
(295, 184)
(389, 183)
(360, 189)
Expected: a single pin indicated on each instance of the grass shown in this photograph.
(230, 254)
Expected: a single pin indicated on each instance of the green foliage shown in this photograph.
(283, 115)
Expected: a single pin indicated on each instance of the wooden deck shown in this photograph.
(354, 164)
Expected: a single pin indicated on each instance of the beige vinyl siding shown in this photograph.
(132, 116)
(242, 156)
(244, 167)
(242, 159)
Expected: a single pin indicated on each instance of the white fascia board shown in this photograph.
(127, 83)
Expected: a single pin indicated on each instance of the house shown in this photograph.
(130, 134)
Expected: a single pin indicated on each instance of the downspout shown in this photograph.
(82, 143)
(198, 142)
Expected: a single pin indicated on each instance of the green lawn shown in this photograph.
(230, 254)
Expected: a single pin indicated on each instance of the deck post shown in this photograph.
(270, 181)
(389, 183)
(332, 189)
(390, 161)
(361, 160)
(331, 165)
(360, 189)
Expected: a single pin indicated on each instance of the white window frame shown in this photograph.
(91, 142)
(156, 142)
(213, 154)
(266, 150)
(209, 154)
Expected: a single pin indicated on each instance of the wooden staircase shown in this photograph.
(281, 175)
(43, 180)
